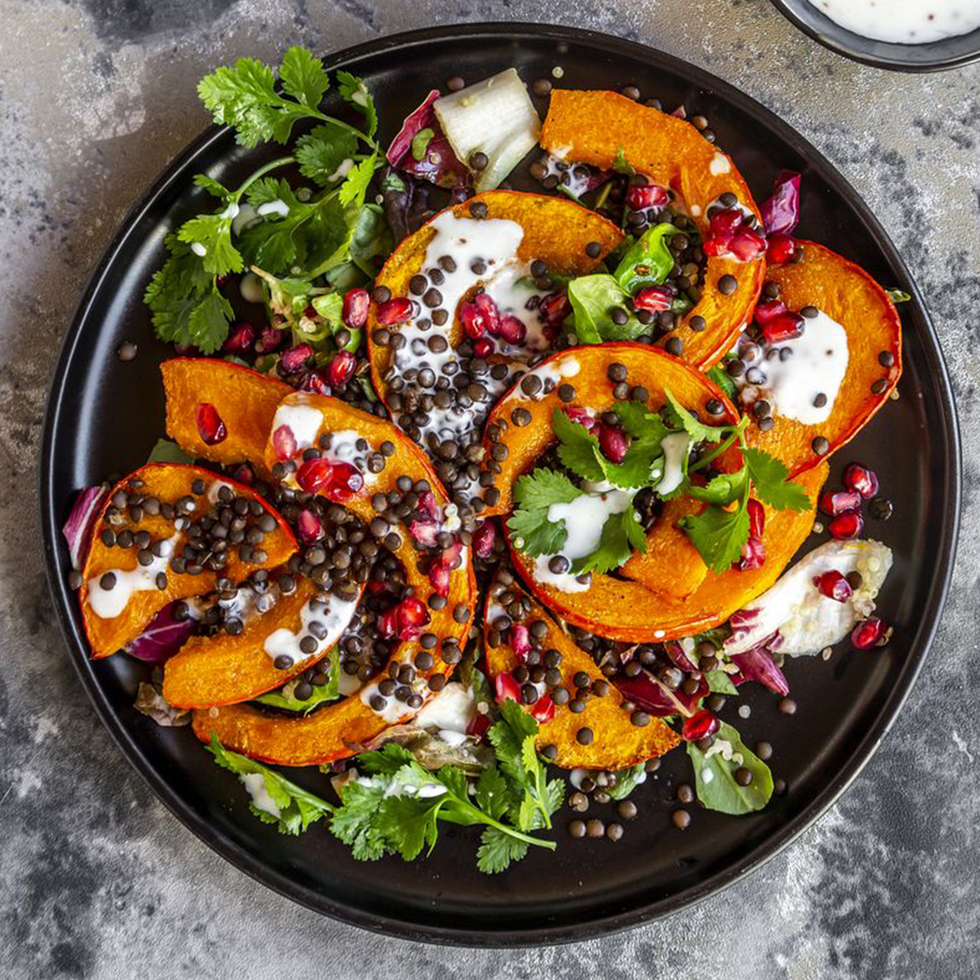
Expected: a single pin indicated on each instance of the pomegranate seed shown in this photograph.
(747, 245)
(846, 526)
(439, 577)
(836, 502)
(284, 442)
(396, 310)
(512, 330)
(726, 222)
(355, 309)
(699, 726)
(779, 329)
(613, 442)
(240, 339)
(833, 585)
(484, 538)
(554, 308)
(344, 482)
(451, 555)
(656, 299)
(543, 710)
(425, 533)
(309, 527)
(768, 310)
(868, 633)
(405, 620)
(480, 317)
(859, 478)
(647, 196)
(757, 518)
(483, 347)
(342, 366)
(479, 725)
(428, 505)
(753, 555)
(581, 416)
(269, 340)
(781, 249)
(294, 359)
(244, 474)
(520, 640)
(317, 381)
(507, 687)
(314, 475)
(209, 424)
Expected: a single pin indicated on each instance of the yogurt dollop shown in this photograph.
(903, 21)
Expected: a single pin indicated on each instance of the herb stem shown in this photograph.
(720, 448)
(262, 171)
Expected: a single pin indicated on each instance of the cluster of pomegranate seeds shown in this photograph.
(337, 481)
(859, 479)
(405, 620)
(480, 316)
(844, 506)
(396, 310)
(731, 235)
(754, 550)
(703, 724)
(833, 585)
(210, 425)
(240, 339)
(779, 324)
(354, 312)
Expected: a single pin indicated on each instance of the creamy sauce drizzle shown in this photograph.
(335, 618)
(109, 603)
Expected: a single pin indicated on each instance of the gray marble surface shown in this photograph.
(97, 880)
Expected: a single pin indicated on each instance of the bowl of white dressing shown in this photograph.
(901, 35)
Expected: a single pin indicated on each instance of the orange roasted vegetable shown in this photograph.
(244, 400)
(617, 742)
(847, 294)
(594, 127)
(115, 616)
(339, 730)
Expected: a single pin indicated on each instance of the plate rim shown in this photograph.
(538, 935)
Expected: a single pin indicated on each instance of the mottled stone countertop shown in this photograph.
(97, 880)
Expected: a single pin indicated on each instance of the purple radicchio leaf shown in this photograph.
(652, 696)
(757, 665)
(675, 650)
(162, 638)
(406, 203)
(80, 526)
(438, 164)
(781, 212)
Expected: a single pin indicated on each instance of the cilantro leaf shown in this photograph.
(303, 77)
(621, 535)
(534, 493)
(722, 489)
(323, 153)
(355, 822)
(718, 535)
(297, 807)
(355, 185)
(635, 418)
(498, 851)
(542, 488)
(493, 794)
(770, 480)
(698, 431)
(356, 93)
(387, 760)
(579, 449)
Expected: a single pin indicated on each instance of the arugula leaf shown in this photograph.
(322, 153)
(286, 699)
(626, 781)
(621, 535)
(718, 535)
(648, 260)
(298, 808)
(534, 493)
(165, 451)
(579, 449)
(722, 792)
(593, 299)
(770, 480)
(720, 683)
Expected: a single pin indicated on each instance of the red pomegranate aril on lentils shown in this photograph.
(342, 366)
(656, 299)
(543, 710)
(396, 310)
(647, 196)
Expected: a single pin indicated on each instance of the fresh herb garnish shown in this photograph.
(648, 261)
(715, 781)
(626, 781)
(534, 493)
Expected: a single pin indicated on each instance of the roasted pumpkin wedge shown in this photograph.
(599, 128)
(852, 340)
(218, 410)
(225, 669)
(140, 537)
(487, 244)
(617, 742)
(432, 623)
(627, 611)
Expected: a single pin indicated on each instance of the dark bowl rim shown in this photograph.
(853, 45)
(542, 935)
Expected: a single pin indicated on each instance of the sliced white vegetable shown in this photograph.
(495, 117)
(795, 618)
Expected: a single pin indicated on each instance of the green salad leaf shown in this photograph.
(648, 261)
(593, 299)
(716, 785)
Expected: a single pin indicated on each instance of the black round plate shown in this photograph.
(104, 416)
(941, 55)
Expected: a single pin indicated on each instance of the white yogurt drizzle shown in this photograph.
(573, 178)
(254, 782)
(583, 518)
(335, 617)
(814, 364)
(675, 447)
(109, 603)
(449, 712)
(551, 375)
(720, 164)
